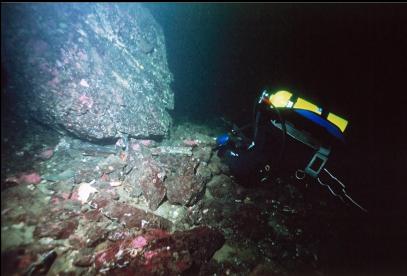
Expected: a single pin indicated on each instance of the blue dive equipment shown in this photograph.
(222, 140)
(317, 119)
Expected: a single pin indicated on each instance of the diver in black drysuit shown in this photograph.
(252, 160)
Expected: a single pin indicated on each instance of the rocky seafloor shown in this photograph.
(146, 207)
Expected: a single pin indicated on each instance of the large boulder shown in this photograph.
(98, 71)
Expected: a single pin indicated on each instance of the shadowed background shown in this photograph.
(349, 58)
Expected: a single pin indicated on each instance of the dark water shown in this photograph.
(350, 58)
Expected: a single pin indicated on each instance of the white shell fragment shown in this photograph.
(115, 183)
(84, 191)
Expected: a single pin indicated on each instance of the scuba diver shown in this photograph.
(289, 135)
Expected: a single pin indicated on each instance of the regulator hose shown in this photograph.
(283, 126)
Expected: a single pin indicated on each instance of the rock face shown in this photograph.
(98, 71)
(184, 186)
(148, 178)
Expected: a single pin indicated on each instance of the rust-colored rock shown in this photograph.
(183, 185)
(157, 252)
(56, 229)
(95, 235)
(152, 183)
(130, 217)
(147, 178)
